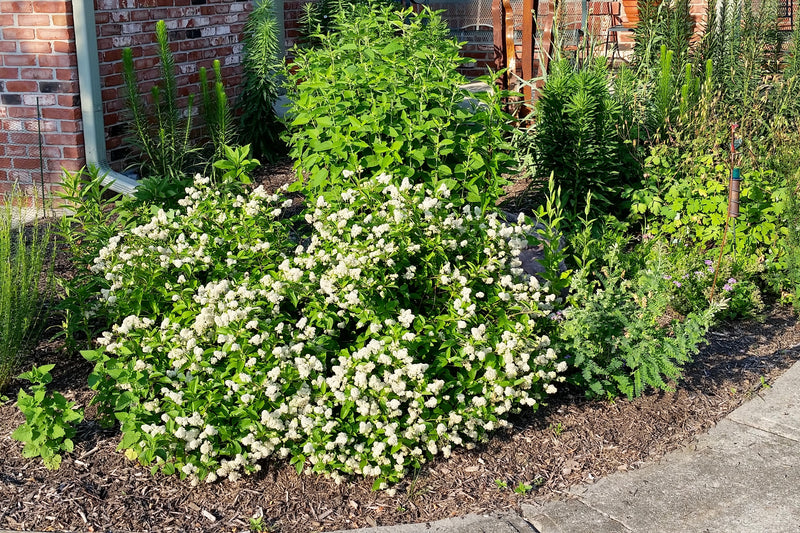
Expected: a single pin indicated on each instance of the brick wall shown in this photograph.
(37, 61)
(199, 32)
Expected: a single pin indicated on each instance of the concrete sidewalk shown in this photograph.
(742, 476)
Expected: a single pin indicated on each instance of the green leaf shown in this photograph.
(394, 46)
(23, 433)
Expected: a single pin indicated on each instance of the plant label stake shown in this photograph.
(734, 188)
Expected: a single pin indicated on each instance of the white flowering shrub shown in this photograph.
(378, 330)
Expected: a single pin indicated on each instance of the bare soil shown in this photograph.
(572, 440)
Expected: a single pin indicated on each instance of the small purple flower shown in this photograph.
(667, 276)
(711, 269)
(698, 273)
(727, 288)
(677, 283)
(685, 276)
(732, 281)
(709, 262)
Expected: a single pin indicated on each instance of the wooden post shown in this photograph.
(546, 46)
(529, 10)
(499, 39)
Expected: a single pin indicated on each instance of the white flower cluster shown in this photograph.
(385, 337)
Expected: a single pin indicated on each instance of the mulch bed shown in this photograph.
(572, 440)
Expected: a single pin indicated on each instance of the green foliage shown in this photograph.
(162, 137)
(49, 419)
(383, 94)
(25, 281)
(393, 327)
(744, 43)
(236, 165)
(793, 240)
(261, 66)
(577, 137)
(615, 330)
(686, 200)
(321, 18)
(93, 218)
(216, 112)
(163, 133)
(662, 24)
(523, 488)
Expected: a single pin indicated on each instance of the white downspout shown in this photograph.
(91, 102)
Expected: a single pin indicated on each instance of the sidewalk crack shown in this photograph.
(605, 514)
(762, 429)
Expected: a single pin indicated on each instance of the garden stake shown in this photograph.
(733, 206)
(41, 158)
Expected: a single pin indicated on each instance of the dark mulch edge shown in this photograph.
(572, 440)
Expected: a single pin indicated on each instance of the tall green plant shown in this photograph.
(261, 65)
(94, 216)
(660, 24)
(216, 112)
(383, 94)
(163, 137)
(25, 281)
(576, 137)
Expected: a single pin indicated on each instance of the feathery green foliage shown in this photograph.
(162, 137)
(576, 136)
(261, 65)
(24, 282)
(216, 112)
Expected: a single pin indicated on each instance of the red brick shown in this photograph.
(15, 150)
(62, 47)
(8, 73)
(33, 20)
(54, 34)
(25, 163)
(107, 30)
(64, 139)
(73, 152)
(71, 126)
(21, 86)
(35, 47)
(64, 21)
(70, 165)
(49, 60)
(51, 152)
(45, 125)
(37, 73)
(19, 60)
(67, 73)
(16, 7)
(8, 47)
(115, 80)
(69, 100)
(18, 33)
(40, 6)
(5, 162)
(22, 112)
(61, 113)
